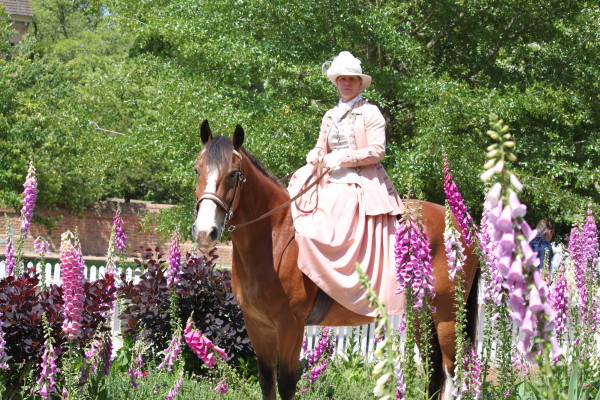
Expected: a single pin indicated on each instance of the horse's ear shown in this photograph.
(238, 137)
(205, 132)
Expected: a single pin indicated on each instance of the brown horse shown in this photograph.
(276, 298)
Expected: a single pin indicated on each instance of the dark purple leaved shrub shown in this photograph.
(202, 289)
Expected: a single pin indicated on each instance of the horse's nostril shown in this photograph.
(214, 233)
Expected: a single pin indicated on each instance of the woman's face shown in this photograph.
(348, 86)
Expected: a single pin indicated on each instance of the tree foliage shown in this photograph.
(108, 99)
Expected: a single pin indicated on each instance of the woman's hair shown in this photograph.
(545, 225)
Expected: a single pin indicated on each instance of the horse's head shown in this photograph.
(218, 181)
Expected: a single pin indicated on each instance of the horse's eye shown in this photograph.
(196, 171)
(232, 174)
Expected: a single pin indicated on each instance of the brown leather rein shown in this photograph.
(228, 208)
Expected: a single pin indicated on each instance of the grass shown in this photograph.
(337, 382)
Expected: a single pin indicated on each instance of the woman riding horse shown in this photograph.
(234, 189)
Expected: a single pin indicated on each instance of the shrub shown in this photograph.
(22, 305)
(202, 289)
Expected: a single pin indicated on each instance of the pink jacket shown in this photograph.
(367, 148)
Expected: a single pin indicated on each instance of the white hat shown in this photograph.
(346, 64)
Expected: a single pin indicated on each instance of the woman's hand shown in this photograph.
(333, 160)
(315, 156)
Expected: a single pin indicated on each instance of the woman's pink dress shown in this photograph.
(334, 233)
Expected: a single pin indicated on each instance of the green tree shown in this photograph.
(114, 104)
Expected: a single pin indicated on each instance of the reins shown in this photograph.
(228, 208)
(287, 203)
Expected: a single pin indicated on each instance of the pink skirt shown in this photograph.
(333, 234)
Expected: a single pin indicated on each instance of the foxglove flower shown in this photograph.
(400, 384)
(135, 369)
(41, 246)
(73, 280)
(46, 383)
(201, 345)
(29, 196)
(172, 351)
(10, 261)
(3, 356)
(579, 257)
(457, 204)
(590, 234)
(318, 358)
(120, 236)
(106, 353)
(492, 279)
(560, 301)
(174, 262)
(516, 261)
(222, 387)
(413, 259)
(454, 249)
(173, 392)
(472, 381)
(92, 354)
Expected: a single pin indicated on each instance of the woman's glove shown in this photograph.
(333, 160)
(315, 156)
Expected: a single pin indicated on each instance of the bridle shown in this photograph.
(218, 200)
(241, 178)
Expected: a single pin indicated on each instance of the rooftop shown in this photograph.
(18, 7)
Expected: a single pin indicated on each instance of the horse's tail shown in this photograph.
(473, 308)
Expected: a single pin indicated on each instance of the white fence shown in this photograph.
(360, 338)
(347, 339)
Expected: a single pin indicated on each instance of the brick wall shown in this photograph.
(94, 227)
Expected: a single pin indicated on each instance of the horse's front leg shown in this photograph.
(289, 343)
(263, 339)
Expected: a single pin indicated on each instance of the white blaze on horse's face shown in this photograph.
(209, 220)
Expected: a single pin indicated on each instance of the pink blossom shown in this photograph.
(172, 351)
(174, 262)
(176, 388)
(559, 299)
(221, 387)
(413, 258)
(471, 376)
(457, 204)
(454, 248)
(73, 279)
(317, 359)
(120, 236)
(41, 246)
(509, 236)
(3, 356)
(29, 197)
(135, 369)
(48, 371)
(400, 384)
(10, 261)
(201, 345)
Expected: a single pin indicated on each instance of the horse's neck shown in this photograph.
(259, 195)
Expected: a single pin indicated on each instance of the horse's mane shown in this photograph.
(219, 150)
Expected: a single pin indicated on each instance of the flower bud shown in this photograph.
(493, 135)
(489, 164)
(499, 166)
(511, 157)
(380, 348)
(492, 146)
(509, 143)
(492, 154)
(503, 130)
(379, 367)
(487, 174)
